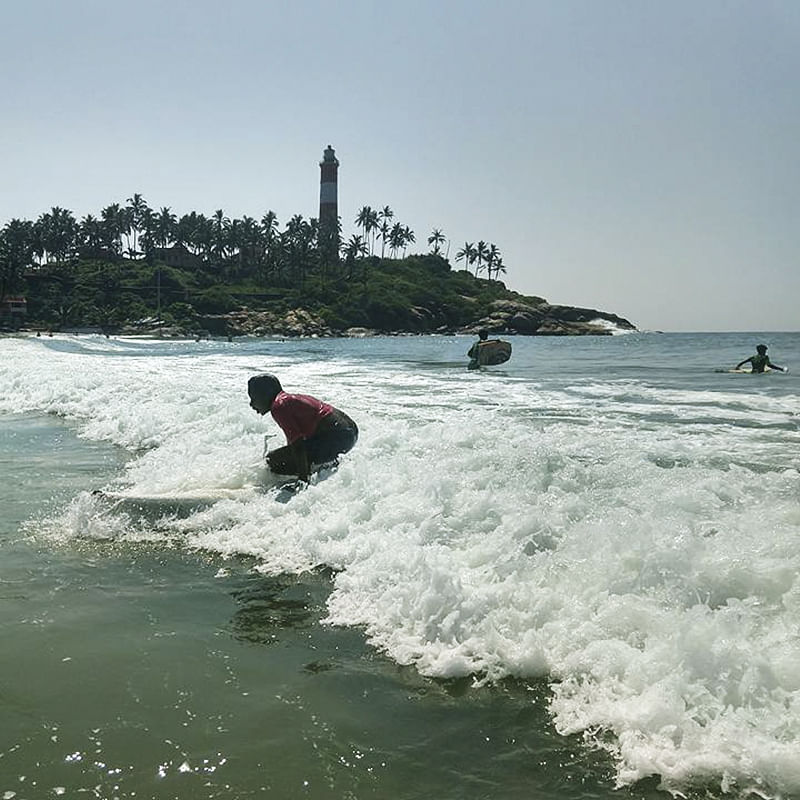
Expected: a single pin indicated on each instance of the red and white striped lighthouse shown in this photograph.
(328, 192)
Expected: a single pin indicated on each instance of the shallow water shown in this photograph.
(570, 572)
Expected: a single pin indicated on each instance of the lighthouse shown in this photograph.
(328, 203)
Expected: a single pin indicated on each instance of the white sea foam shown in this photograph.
(610, 326)
(637, 545)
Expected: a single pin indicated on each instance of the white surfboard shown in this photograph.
(749, 370)
(162, 505)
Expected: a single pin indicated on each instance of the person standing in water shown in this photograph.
(316, 432)
(488, 351)
(483, 336)
(760, 361)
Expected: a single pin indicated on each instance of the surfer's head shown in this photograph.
(761, 348)
(483, 334)
(263, 389)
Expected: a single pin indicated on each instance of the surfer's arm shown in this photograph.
(297, 445)
(746, 361)
(775, 366)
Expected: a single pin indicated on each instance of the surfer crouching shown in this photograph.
(316, 432)
(760, 361)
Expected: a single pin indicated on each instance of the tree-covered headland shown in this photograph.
(136, 268)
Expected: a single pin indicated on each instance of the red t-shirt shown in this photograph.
(298, 414)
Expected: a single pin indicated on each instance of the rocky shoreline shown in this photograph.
(505, 317)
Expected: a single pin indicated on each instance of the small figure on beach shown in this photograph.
(316, 432)
(760, 361)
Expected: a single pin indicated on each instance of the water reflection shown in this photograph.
(269, 604)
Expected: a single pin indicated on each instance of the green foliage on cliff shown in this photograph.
(133, 262)
(419, 293)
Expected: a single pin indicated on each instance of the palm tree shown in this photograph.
(250, 245)
(147, 240)
(165, 226)
(372, 229)
(17, 244)
(436, 239)
(383, 232)
(93, 240)
(363, 219)
(298, 238)
(219, 235)
(126, 224)
(355, 248)
(269, 225)
(275, 262)
(480, 255)
(183, 231)
(368, 220)
(189, 231)
(269, 229)
(136, 208)
(395, 239)
(492, 254)
(234, 242)
(112, 221)
(58, 230)
(39, 251)
(467, 254)
(329, 238)
(205, 237)
(44, 237)
(408, 238)
(385, 215)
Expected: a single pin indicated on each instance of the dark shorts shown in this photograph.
(340, 436)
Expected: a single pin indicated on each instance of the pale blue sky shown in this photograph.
(639, 157)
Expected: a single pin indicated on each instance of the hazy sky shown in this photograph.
(636, 156)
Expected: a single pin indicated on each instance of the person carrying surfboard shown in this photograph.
(760, 361)
(488, 351)
(483, 335)
(316, 432)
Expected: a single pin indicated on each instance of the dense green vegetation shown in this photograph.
(132, 263)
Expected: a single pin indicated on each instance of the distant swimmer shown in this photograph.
(760, 361)
(488, 351)
(316, 432)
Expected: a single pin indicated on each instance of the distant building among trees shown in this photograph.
(176, 256)
(13, 310)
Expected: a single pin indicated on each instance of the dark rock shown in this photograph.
(543, 319)
(422, 319)
(505, 317)
(558, 327)
(245, 322)
(589, 315)
(525, 321)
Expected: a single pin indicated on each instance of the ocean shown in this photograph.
(574, 575)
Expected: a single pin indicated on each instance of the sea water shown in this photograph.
(572, 575)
